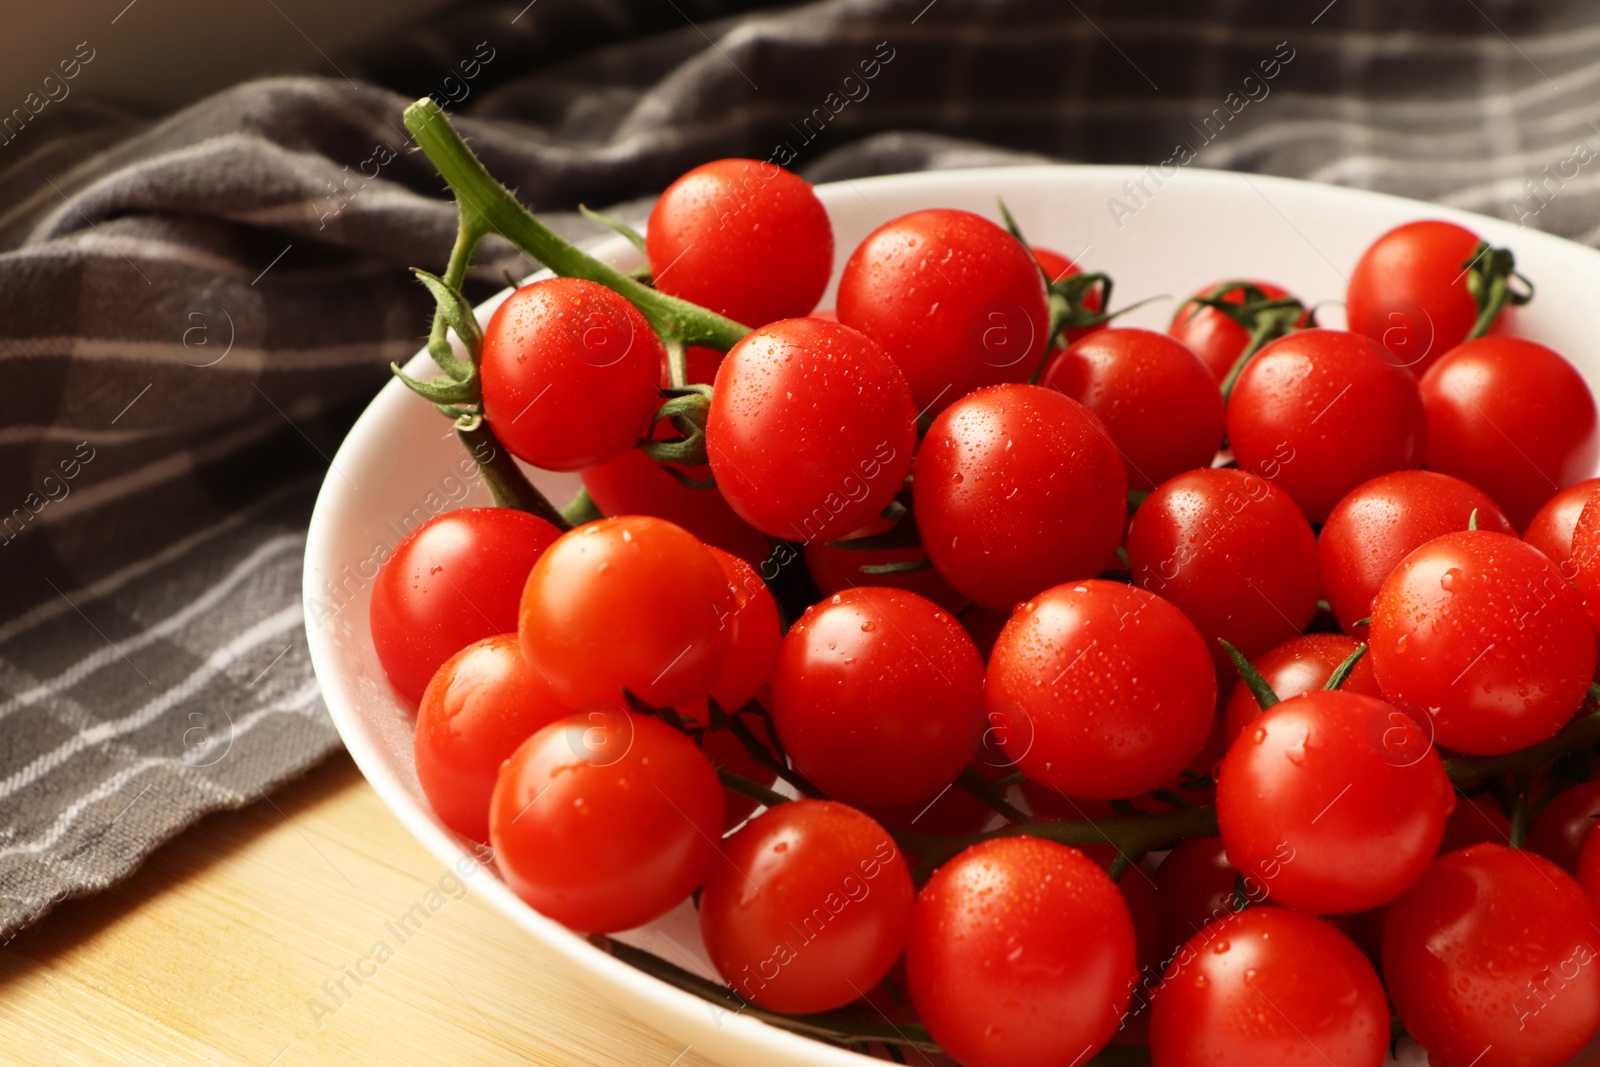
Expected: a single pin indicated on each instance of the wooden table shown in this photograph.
(215, 951)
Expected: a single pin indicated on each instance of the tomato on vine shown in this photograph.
(1299, 665)
(1213, 335)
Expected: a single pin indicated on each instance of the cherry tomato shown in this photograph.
(807, 907)
(723, 749)
(1213, 336)
(745, 238)
(605, 820)
(1475, 820)
(1583, 566)
(1158, 401)
(1021, 954)
(453, 580)
(1098, 689)
(753, 633)
(1409, 292)
(834, 568)
(569, 372)
(1233, 553)
(635, 484)
(957, 302)
(1018, 488)
(1269, 986)
(877, 695)
(1561, 829)
(1513, 418)
(1057, 266)
(1319, 412)
(484, 702)
(1196, 886)
(1478, 633)
(1489, 960)
(1337, 802)
(1589, 870)
(1380, 522)
(811, 429)
(1298, 665)
(631, 603)
(1551, 529)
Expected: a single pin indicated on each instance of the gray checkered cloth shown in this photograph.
(193, 309)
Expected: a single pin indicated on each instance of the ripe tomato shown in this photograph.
(807, 907)
(569, 374)
(1158, 401)
(1233, 553)
(1297, 666)
(1304, 792)
(453, 580)
(1101, 690)
(1018, 488)
(1057, 266)
(1021, 954)
(1319, 412)
(1589, 870)
(605, 820)
(811, 429)
(1261, 987)
(745, 238)
(484, 702)
(1380, 522)
(1565, 824)
(1475, 820)
(635, 484)
(631, 603)
(1513, 418)
(1409, 292)
(1213, 336)
(835, 569)
(1479, 633)
(1489, 959)
(1583, 568)
(957, 302)
(1196, 886)
(877, 695)
(1551, 529)
(753, 634)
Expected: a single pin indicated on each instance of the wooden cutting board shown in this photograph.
(236, 943)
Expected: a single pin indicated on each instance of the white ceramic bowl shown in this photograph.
(1197, 228)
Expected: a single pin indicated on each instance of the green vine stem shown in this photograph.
(1583, 732)
(1489, 274)
(498, 211)
(507, 484)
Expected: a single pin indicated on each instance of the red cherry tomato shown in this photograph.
(1261, 987)
(1233, 553)
(957, 302)
(745, 238)
(835, 569)
(1380, 522)
(1551, 529)
(1490, 958)
(1057, 266)
(1157, 400)
(605, 820)
(484, 702)
(1213, 336)
(1319, 412)
(569, 372)
(1298, 665)
(1196, 886)
(811, 429)
(753, 634)
(631, 603)
(453, 580)
(1101, 690)
(1513, 418)
(1583, 566)
(877, 695)
(807, 907)
(1018, 488)
(635, 484)
(1305, 792)
(1022, 954)
(1589, 870)
(1475, 820)
(1561, 829)
(1409, 292)
(1479, 634)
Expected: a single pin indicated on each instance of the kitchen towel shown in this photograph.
(193, 308)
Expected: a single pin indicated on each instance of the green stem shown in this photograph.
(984, 790)
(497, 210)
(749, 787)
(506, 482)
(1131, 834)
(1579, 733)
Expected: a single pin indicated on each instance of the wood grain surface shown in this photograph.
(236, 943)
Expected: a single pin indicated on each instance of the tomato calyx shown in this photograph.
(1342, 671)
(687, 407)
(1265, 318)
(1265, 697)
(1489, 275)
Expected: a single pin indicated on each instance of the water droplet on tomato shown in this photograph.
(1448, 580)
(868, 626)
(1400, 644)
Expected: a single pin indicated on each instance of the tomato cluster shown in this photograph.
(1029, 682)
